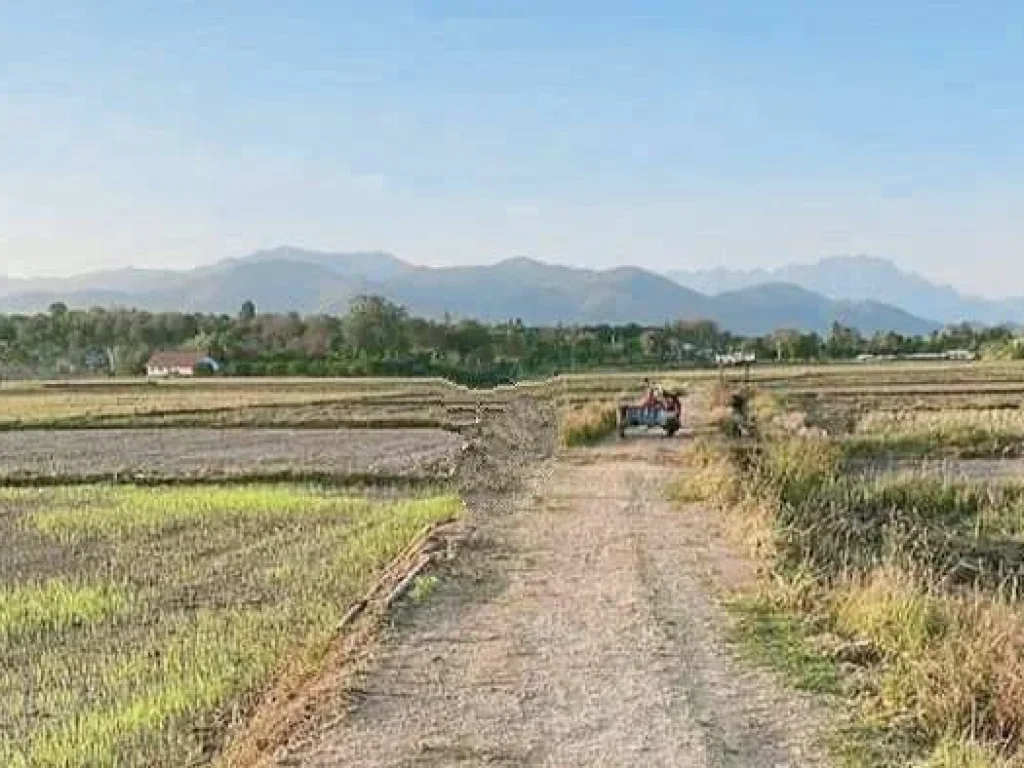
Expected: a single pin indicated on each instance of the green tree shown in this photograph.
(843, 342)
(376, 327)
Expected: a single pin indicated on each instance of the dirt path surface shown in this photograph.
(579, 630)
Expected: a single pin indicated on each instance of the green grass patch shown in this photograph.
(85, 511)
(423, 587)
(779, 640)
(218, 590)
(54, 606)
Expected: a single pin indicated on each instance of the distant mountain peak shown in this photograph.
(521, 261)
(530, 264)
(369, 265)
(864, 278)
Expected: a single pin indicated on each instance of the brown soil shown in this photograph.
(579, 628)
(170, 453)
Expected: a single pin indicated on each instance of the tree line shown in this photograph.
(377, 337)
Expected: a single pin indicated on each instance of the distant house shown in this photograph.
(961, 354)
(736, 358)
(163, 364)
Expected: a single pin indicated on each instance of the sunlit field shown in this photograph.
(140, 624)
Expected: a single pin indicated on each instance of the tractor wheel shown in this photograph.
(671, 428)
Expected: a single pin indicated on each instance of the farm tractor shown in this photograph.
(658, 409)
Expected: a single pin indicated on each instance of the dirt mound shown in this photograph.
(500, 446)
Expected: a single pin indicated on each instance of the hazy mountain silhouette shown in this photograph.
(864, 278)
(292, 279)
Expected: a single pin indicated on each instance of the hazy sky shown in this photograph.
(662, 133)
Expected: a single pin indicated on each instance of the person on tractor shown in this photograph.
(650, 398)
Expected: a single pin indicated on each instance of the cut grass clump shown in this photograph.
(243, 584)
(586, 424)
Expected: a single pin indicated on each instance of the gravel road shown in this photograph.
(581, 629)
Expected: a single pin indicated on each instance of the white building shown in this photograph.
(165, 364)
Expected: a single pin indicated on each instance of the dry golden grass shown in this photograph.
(944, 424)
(965, 433)
(952, 665)
(42, 405)
(45, 407)
(870, 562)
(586, 424)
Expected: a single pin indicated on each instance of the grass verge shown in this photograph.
(909, 585)
(780, 639)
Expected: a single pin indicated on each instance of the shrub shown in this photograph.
(587, 424)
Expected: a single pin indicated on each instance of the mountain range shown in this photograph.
(865, 278)
(878, 297)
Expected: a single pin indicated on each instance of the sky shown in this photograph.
(665, 134)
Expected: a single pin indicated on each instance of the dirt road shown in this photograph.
(579, 630)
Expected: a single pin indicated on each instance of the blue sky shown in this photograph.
(664, 134)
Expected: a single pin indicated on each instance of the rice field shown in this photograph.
(174, 454)
(142, 621)
(141, 625)
(228, 402)
(965, 433)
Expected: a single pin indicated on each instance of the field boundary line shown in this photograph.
(303, 687)
(327, 479)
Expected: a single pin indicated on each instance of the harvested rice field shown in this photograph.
(210, 454)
